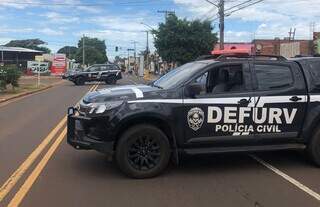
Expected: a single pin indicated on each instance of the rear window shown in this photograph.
(315, 71)
(270, 77)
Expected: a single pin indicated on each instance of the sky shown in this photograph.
(118, 22)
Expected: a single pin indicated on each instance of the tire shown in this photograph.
(80, 81)
(143, 151)
(111, 80)
(313, 148)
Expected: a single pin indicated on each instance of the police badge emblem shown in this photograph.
(195, 118)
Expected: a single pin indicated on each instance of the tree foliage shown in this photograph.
(70, 51)
(29, 43)
(95, 51)
(180, 40)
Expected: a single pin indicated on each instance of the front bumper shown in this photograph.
(79, 138)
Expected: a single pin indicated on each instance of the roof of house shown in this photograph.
(18, 49)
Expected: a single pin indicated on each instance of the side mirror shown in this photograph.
(192, 90)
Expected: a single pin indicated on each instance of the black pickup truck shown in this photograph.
(109, 73)
(228, 104)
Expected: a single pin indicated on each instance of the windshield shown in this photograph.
(178, 75)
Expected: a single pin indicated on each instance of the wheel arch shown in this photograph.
(152, 119)
(312, 123)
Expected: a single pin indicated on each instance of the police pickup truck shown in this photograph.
(108, 73)
(228, 104)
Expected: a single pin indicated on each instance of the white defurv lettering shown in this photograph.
(289, 118)
(233, 119)
(262, 118)
(230, 114)
(274, 115)
(244, 112)
(214, 118)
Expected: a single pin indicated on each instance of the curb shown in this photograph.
(29, 92)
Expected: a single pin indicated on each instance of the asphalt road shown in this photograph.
(38, 168)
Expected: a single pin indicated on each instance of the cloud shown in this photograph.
(17, 4)
(274, 17)
(127, 23)
(58, 18)
(6, 29)
(51, 32)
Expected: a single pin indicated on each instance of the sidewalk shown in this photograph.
(146, 79)
(28, 85)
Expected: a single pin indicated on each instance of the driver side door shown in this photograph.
(222, 111)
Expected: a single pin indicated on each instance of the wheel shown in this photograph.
(143, 151)
(80, 81)
(313, 148)
(111, 80)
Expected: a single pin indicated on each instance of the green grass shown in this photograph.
(21, 89)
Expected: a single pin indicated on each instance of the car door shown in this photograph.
(93, 73)
(218, 115)
(280, 100)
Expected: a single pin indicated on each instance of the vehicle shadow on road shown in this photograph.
(200, 165)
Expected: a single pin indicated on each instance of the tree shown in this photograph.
(70, 51)
(181, 41)
(95, 51)
(29, 43)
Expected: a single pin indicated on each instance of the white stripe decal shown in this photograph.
(214, 100)
(177, 101)
(263, 100)
(278, 99)
(314, 98)
(138, 92)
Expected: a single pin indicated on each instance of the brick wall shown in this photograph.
(272, 47)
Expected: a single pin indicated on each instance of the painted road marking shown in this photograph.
(36, 172)
(14, 178)
(288, 178)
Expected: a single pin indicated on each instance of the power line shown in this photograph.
(222, 13)
(238, 9)
(130, 3)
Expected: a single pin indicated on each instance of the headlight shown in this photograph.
(99, 108)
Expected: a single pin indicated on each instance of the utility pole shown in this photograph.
(147, 48)
(221, 25)
(312, 29)
(83, 53)
(128, 65)
(292, 34)
(222, 13)
(166, 12)
(135, 53)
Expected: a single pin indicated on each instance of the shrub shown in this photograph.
(9, 74)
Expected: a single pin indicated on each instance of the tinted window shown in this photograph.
(315, 71)
(271, 77)
(93, 68)
(103, 67)
(179, 75)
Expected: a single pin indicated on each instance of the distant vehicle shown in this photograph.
(109, 73)
(230, 104)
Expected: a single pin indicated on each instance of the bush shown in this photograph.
(9, 74)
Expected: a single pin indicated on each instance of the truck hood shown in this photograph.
(128, 92)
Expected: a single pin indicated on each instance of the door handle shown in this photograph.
(295, 98)
(244, 101)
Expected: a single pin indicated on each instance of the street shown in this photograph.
(59, 175)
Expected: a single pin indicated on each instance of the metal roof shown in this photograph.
(18, 49)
